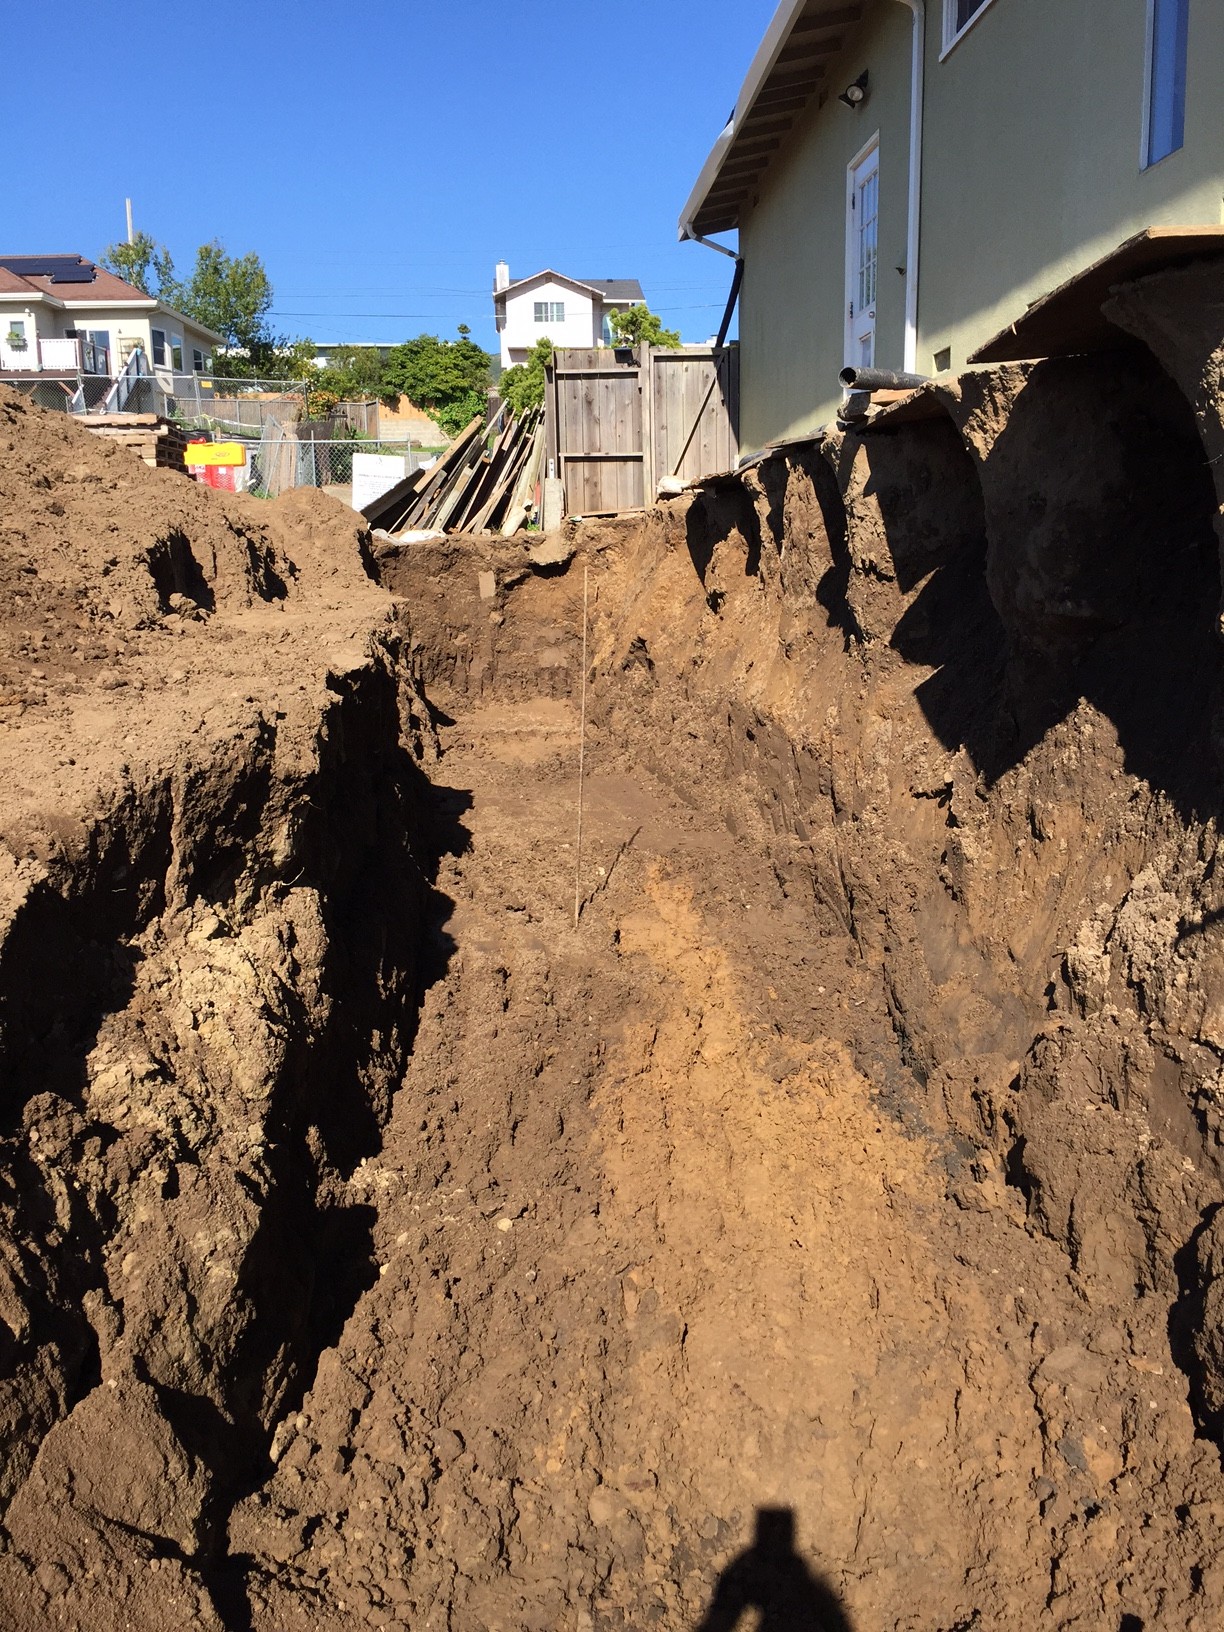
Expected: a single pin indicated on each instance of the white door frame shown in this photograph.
(850, 322)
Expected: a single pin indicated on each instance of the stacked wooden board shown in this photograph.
(159, 442)
(485, 482)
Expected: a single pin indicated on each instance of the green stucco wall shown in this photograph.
(1031, 170)
(792, 304)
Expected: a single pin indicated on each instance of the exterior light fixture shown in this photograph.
(855, 94)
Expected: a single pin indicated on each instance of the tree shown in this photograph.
(143, 262)
(640, 326)
(522, 387)
(231, 295)
(357, 371)
(448, 378)
(293, 360)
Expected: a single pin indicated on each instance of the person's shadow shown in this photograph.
(771, 1576)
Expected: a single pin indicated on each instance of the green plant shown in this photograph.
(640, 326)
(447, 378)
(321, 403)
(144, 262)
(522, 387)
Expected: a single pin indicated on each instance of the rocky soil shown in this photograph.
(825, 1227)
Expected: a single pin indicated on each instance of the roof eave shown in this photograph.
(701, 188)
(697, 217)
(767, 54)
(190, 323)
(547, 272)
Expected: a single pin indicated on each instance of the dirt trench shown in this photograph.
(824, 1229)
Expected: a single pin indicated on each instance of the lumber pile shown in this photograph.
(160, 442)
(484, 483)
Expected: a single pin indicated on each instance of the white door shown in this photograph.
(862, 255)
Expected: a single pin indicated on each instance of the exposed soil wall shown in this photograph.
(825, 1226)
(952, 691)
(211, 924)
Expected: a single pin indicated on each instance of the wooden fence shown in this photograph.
(619, 420)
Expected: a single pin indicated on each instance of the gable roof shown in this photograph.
(605, 288)
(786, 73)
(71, 280)
(615, 288)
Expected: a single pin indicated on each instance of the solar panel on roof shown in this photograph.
(59, 268)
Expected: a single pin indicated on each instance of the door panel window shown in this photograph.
(862, 256)
(868, 237)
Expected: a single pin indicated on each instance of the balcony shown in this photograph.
(54, 356)
(62, 356)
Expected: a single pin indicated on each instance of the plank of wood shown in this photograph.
(520, 501)
(1069, 319)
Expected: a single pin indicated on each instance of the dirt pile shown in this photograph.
(208, 926)
(828, 1225)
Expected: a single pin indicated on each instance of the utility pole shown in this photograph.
(131, 234)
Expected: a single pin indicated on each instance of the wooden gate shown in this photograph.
(694, 409)
(619, 419)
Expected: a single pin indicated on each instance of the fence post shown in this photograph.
(646, 377)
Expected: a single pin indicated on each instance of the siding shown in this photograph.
(1031, 161)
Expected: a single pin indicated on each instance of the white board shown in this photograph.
(375, 474)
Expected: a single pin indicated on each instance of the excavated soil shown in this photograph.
(822, 1232)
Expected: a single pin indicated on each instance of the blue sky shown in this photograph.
(382, 155)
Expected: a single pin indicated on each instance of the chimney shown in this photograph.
(501, 277)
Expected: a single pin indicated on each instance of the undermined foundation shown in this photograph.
(826, 1224)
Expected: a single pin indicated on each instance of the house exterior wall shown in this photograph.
(1056, 92)
(1031, 171)
(11, 358)
(583, 317)
(793, 240)
(124, 324)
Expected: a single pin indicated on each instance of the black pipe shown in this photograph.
(879, 379)
(731, 300)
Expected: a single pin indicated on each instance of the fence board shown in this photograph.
(617, 421)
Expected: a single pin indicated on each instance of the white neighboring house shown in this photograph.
(567, 311)
(61, 315)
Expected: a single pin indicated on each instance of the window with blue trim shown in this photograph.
(1168, 32)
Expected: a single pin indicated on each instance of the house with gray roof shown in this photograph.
(550, 305)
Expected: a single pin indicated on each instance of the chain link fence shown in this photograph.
(239, 408)
(353, 469)
(228, 408)
(98, 394)
(55, 394)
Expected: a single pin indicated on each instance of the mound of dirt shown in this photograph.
(205, 805)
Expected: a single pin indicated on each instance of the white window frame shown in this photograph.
(548, 311)
(176, 353)
(952, 35)
(1146, 162)
(157, 342)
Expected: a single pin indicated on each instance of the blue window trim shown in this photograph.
(1164, 91)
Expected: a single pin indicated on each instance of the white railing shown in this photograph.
(49, 356)
(18, 358)
(64, 356)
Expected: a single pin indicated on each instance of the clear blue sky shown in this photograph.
(381, 155)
